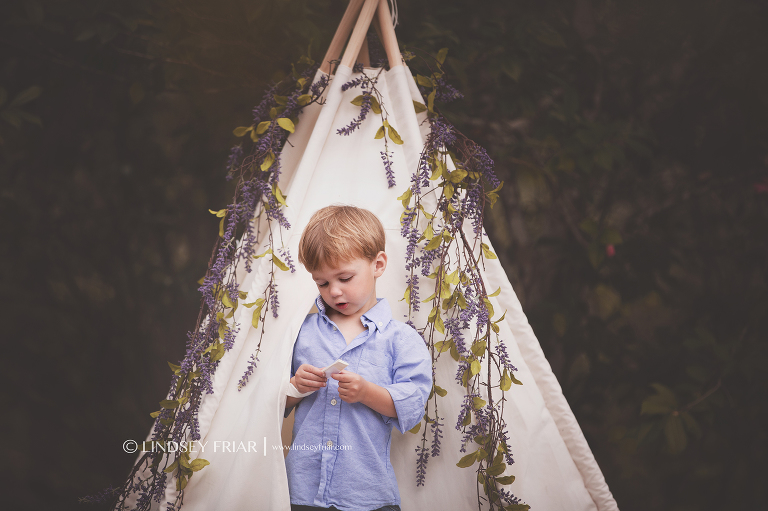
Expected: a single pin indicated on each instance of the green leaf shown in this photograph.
(610, 237)
(506, 480)
(478, 348)
(169, 404)
(262, 127)
(269, 159)
(241, 131)
(442, 346)
(394, 136)
(457, 176)
(358, 101)
(488, 306)
(495, 293)
(515, 380)
(405, 197)
(304, 100)
(279, 263)
(442, 54)
(467, 461)
(487, 252)
(506, 382)
(439, 323)
(172, 466)
(198, 464)
(496, 470)
(517, 507)
(286, 124)
(154, 415)
(26, 96)
(415, 429)
(424, 81)
(475, 367)
(379, 133)
(268, 251)
(429, 233)
(675, 434)
(419, 107)
(220, 213)
(375, 106)
(434, 243)
(478, 402)
(256, 316)
(448, 191)
(431, 101)
(278, 195)
(407, 295)
(440, 391)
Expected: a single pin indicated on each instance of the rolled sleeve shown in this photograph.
(412, 381)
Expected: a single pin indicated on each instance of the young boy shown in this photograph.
(339, 457)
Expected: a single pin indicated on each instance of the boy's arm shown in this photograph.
(379, 399)
(290, 402)
(412, 381)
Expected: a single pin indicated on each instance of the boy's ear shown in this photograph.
(380, 264)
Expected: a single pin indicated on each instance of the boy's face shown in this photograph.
(350, 288)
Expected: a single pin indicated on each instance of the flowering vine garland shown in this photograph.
(452, 176)
(256, 211)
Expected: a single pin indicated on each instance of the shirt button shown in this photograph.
(333, 401)
(329, 443)
(334, 329)
(381, 324)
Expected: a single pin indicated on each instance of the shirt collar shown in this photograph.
(379, 315)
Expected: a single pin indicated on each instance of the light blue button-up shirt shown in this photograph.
(340, 451)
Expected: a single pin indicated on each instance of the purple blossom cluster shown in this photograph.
(508, 453)
(386, 157)
(501, 351)
(248, 372)
(100, 497)
(274, 303)
(437, 435)
(286, 256)
(422, 456)
(413, 295)
(235, 156)
(480, 427)
(261, 111)
(445, 92)
(356, 122)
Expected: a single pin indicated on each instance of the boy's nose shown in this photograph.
(335, 291)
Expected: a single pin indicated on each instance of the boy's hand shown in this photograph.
(309, 378)
(352, 386)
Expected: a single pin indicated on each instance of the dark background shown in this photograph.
(631, 137)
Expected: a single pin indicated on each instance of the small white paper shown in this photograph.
(334, 368)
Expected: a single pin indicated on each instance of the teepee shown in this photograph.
(237, 416)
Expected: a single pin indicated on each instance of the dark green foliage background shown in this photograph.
(640, 125)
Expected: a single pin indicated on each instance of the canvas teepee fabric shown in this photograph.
(554, 467)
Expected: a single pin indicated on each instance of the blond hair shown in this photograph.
(337, 234)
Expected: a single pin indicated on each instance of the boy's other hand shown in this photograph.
(309, 378)
(352, 386)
